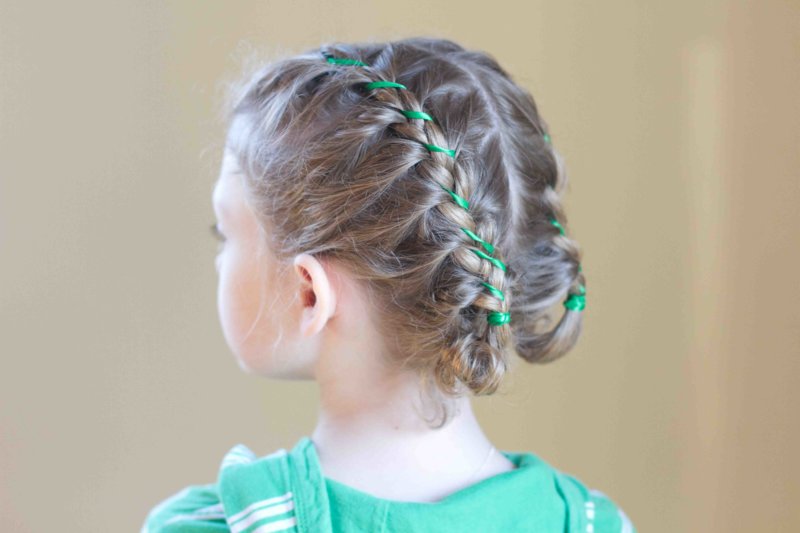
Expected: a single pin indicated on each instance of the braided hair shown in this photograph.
(428, 173)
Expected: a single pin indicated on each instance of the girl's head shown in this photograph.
(331, 188)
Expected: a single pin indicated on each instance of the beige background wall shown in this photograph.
(680, 125)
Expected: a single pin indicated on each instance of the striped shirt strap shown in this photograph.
(256, 492)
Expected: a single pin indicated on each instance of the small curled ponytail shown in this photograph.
(550, 267)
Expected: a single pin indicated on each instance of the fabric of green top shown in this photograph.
(286, 491)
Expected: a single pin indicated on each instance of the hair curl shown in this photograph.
(339, 172)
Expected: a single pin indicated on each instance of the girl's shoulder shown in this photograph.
(195, 508)
(591, 510)
(248, 489)
(581, 509)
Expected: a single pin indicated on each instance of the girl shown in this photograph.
(392, 228)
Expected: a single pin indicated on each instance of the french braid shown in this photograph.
(432, 138)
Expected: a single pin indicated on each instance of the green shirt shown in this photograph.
(285, 491)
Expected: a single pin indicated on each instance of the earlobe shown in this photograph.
(316, 295)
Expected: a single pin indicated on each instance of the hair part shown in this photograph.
(337, 171)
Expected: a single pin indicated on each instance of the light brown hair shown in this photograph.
(337, 171)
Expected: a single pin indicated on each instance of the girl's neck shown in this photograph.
(371, 434)
(382, 446)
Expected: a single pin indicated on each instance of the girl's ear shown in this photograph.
(316, 297)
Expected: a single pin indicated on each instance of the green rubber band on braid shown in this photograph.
(458, 199)
(497, 292)
(345, 61)
(434, 148)
(576, 302)
(417, 114)
(547, 138)
(496, 318)
(489, 247)
(495, 261)
(409, 113)
(556, 224)
(383, 83)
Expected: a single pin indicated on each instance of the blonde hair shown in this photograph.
(337, 171)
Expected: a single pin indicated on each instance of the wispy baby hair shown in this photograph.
(427, 173)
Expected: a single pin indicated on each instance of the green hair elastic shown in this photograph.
(495, 318)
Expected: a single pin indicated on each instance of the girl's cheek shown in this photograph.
(231, 300)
